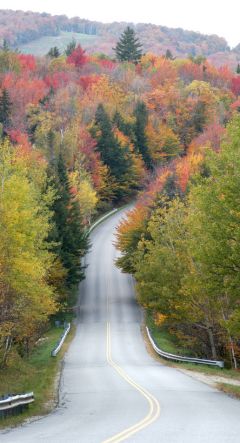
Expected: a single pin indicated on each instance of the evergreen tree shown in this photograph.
(141, 147)
(5, 109)
(199, 117)
(128, 47)
(125, 127)
(168, 55)
(54, 52)
(51, 140)
(32, 117)
(69, 236)
(71, 47)
(238, 69)
(76, 244)
(107, 144)
(5, 46)
(116, 157)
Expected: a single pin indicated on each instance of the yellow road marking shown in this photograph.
(154, 407)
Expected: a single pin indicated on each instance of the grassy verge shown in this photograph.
(168, 343)
(210, 370)
(38, 373)
(233, 391)
(164, 339)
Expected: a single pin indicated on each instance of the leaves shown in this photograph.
(186, 261)
(106, 130)
(26, 298)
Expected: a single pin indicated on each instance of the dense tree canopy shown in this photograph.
(186, 261)
(82, 133)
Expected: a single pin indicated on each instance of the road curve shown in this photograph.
(111, 388)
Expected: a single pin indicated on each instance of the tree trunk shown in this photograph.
(8, 346)
(233, 357)
(212, 343)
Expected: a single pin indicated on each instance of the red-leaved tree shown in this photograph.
(78, 57)
(236, 85)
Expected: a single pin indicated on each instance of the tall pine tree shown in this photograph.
(141, 147)
(128, 47)
(69, 236)
(5, 109)
(113, 155)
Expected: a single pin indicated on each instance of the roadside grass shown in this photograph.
(168, 343)
(38, 373)
(42, 45)
(164, 339)
(209, 370)
(233, 391)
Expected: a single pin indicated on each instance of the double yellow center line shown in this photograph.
(154, 408)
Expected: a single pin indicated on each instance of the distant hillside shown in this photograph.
(42, 45)
(22, 29)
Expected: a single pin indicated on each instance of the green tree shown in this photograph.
(163, 264)
(159, 261)
(215, 236)
(199, 116)
(54, 52)
(51, 145)
(168, 55)
(122, 125)
(5, 46)
(117, 158)
(71, 47)
(238, 69)
(141, 147)
(128, 47)
(198, 59)
(5, 109)
(69, 236)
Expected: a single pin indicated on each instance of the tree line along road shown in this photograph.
(111, 389)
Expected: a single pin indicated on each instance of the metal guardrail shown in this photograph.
(169, 356)
(15, 404)
(104, 217)
(61, 341)
(100, 220)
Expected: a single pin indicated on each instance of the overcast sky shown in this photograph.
(220, 17)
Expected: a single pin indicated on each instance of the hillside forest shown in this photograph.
(20, 29)
(81, 134)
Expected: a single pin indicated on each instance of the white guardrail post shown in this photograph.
(169, 356)
(57, 348)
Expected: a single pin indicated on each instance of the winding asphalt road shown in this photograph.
(112, 390)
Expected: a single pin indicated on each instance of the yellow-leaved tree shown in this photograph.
(26, 298)
(85, 193)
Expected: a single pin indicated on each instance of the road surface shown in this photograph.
(112, 390)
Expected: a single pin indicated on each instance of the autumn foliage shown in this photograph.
(78, 57)
(80, 134)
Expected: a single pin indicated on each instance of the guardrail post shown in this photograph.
(57, 348)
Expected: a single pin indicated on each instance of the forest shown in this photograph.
(83, 133)
(19, 27)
